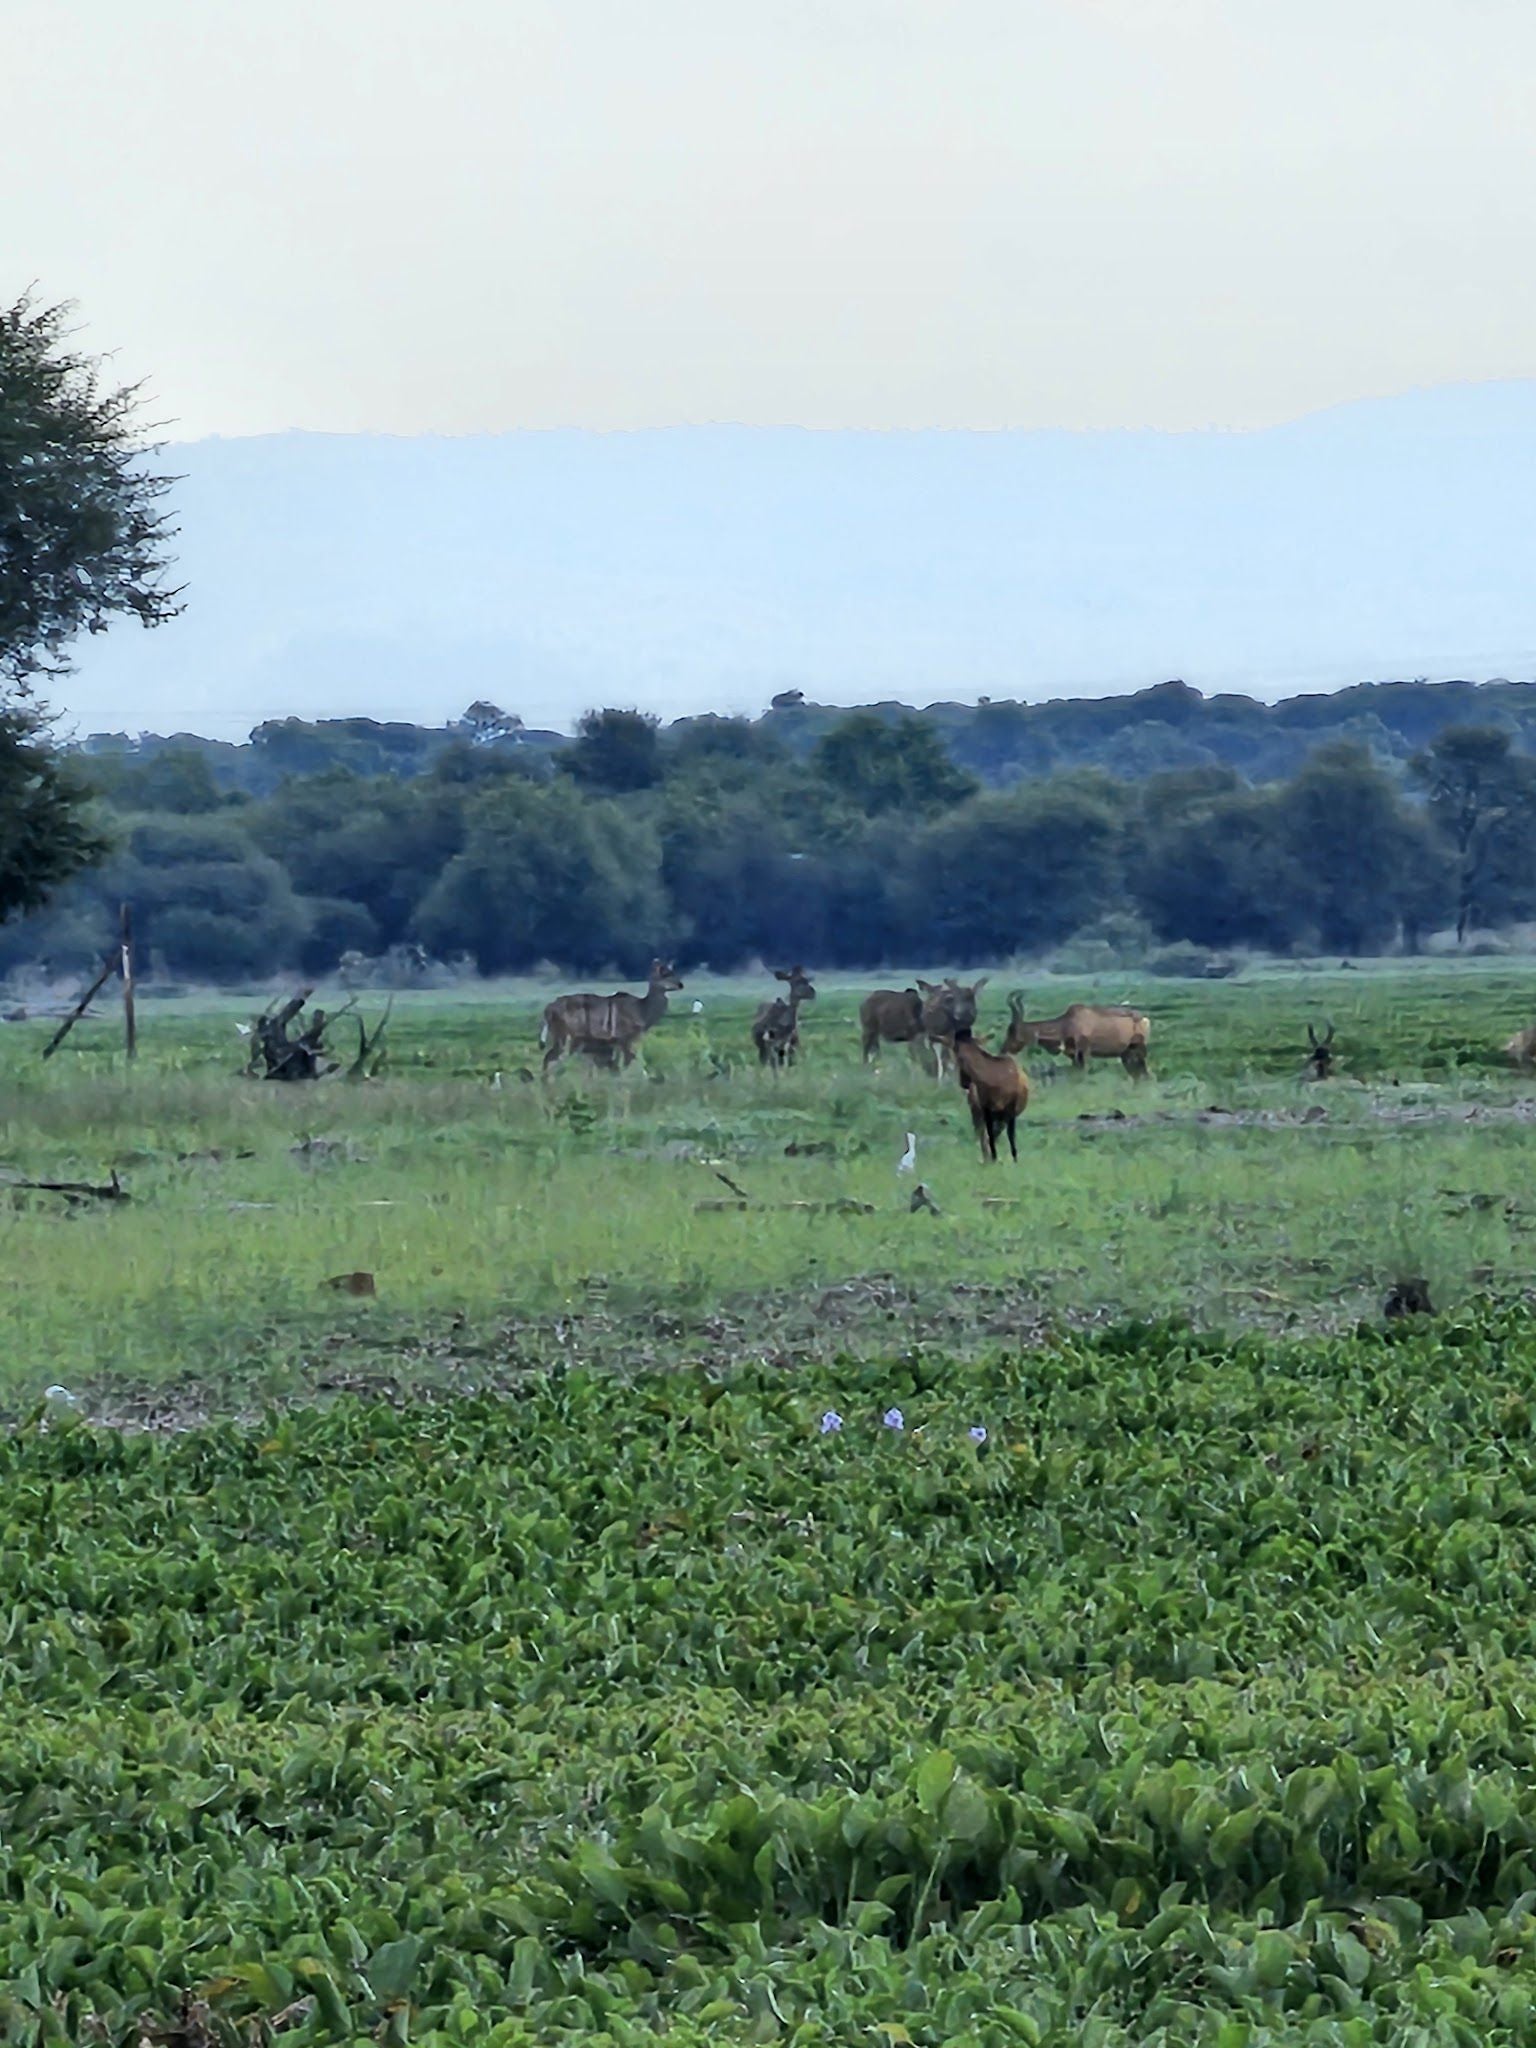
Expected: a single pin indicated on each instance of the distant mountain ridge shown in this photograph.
(707, 568)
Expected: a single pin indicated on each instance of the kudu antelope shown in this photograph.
(606, 1028)
(1084, 1031)
(995, 1089)
(776, 1027)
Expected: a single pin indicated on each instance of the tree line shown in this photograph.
(717, 844)
(1345, 823)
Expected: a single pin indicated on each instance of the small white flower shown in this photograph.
(893, 1419)
(831, 1422)
(978, 1432)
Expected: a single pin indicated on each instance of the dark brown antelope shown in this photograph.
(606, 1028)
(948, 1008)
(995, 1089)
(892, 1014)
(776, 1027)
(1320, 1058)
(1084, 1031)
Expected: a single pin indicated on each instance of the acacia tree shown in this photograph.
(82, 533)
(82, 539)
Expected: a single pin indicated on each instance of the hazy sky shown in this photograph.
(471, 215)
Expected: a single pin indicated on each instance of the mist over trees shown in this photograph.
(850, 839)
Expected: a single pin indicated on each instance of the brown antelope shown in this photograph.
(1320, 1058)
(893, 1014)
(1084, 1031)
(994, 1087)
(776, 1027)
(1521, 1049)
(606, 1028)
(948, 1008)
(922, 1017)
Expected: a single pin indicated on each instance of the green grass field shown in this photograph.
(502, 1226)
(522, 1656)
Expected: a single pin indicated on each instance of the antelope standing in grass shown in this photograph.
(948, 1009)
(1084, 1031)
(923, 1017)
(891, 1014)
(995, 1089)
(606, 1028)
(776, 1027)
(1320, 1058)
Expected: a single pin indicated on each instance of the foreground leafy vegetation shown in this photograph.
(1193, 1706)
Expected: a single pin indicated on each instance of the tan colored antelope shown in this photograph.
(1521, 1049)
(606, 1028)
(776, 1027)
(995, 1089)
(1084, 1031)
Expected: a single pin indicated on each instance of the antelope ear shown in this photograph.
(783, 974)
(978, 986)
(928, 988)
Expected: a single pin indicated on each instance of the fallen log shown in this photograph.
(75, 1191)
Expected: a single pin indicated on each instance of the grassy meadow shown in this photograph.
(1074, 1619)
(507, 1225)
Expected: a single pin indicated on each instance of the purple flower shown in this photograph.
(977, 1432)
(831, 1422)
(893, 1419)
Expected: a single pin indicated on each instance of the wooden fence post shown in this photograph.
(130, 1018)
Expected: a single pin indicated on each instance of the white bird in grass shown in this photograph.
(698, 1007)
(244, 1030)
(496, 1082)
(908, 1160)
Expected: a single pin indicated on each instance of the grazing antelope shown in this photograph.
(606, 1028)
(994, 1087)
(776, 1027)
(1084, 1031)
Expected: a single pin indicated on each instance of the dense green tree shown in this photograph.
(206, 901)
(1348, 834)
(1222, 874)
(177, 780)
(1482, 797)
(883, 765)
(376, 842)
(615, 752)
(45, 833)
(547, 875)
(83, 539)
(1008, 874)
